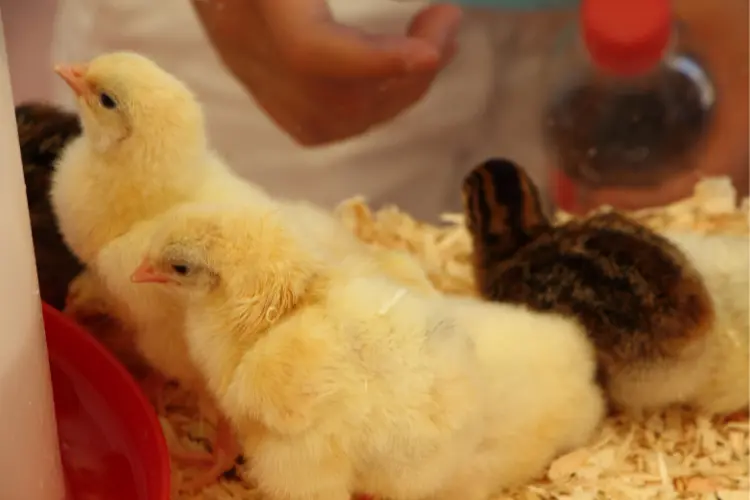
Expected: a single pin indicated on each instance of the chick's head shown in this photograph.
(503, 213)
(499, 197)
(123, 97)
(242, 261)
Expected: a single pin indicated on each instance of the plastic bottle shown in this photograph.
(30, 467)
(629, 108)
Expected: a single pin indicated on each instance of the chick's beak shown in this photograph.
(145, 273)
(74, 76)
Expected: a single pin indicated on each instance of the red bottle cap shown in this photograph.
(626, 37)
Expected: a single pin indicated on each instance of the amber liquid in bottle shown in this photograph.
(625, 131)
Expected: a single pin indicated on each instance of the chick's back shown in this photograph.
(638, 297)
(542, 394)
(410, 350)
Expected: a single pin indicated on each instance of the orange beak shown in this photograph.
(145, 273)
(74, 76)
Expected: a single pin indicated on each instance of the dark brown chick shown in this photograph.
(43, 131)
(641, 302)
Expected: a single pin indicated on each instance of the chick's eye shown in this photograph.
(180, 269)
(107, 101)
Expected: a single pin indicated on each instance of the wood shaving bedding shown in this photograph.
(675, 454)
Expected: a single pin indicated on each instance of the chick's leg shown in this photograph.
(225, 451)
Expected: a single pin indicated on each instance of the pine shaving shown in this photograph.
(675, 454)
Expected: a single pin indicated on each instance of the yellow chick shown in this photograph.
(714, 377)
(339, 379)
(143, 150)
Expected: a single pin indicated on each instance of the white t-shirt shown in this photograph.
(486, 102)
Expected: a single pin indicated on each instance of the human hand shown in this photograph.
(321, 81)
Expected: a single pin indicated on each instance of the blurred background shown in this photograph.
(28, 29)
(498, 78)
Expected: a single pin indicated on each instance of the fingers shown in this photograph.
(440, 24)
(319, 80)
(340, 52)
(437, 24)
(312, 42)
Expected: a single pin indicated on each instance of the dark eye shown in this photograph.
(181, 269)
(107, 101)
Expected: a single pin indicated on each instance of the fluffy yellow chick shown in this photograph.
(714, 376)
(143, 150)
(341, 380)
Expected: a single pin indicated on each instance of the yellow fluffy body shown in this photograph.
(340, 380)
(715, 379)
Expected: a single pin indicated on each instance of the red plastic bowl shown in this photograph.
(111, 442)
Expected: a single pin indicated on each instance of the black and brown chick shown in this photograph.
(644, 306)
(43, 131)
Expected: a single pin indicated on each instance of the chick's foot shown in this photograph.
(225, 451)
